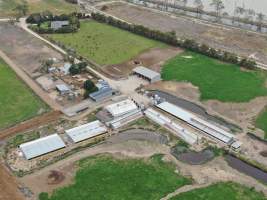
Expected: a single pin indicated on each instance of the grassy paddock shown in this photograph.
(17, 102)
(221, 191)
(216, 80)
(261, 122)
(103, 177)
(54, 6)
(105, 44)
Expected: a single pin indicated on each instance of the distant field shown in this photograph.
(261, 122)
(55, 6)
(105, 44)
(106, 178)
(17, 102)
(216, 80)
(221, 191)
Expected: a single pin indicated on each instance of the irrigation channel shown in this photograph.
(192, 107)
(246, 168)
(171, 6)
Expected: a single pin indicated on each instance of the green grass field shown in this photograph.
(17, 102)
(105, 44)
(221, 191)
(216, 80)
(54, 6)
(105, 178)
(261, 122)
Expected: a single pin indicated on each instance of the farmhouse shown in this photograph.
(202, 125)
(55, 25)
(86, 131)
(41, 146)
(148, 74)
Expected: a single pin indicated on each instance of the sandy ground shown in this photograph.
(153, 58)
(211, 172)
(230, 39)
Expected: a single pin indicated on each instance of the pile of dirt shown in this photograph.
(55, 177)
(263, 153)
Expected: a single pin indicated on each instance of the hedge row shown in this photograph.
(170, 38)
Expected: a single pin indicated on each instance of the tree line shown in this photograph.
(171, 39)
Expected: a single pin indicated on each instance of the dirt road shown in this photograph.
(33, 85)
(8, 186)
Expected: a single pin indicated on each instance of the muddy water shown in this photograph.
(247, 169)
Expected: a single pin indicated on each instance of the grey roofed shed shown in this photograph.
(101, 94)
(149, 74)
(41, 146)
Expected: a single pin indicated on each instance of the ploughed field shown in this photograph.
(17, 102)
(55, 6)
(216, 80)
(105, 44)
(221, 191)
(103, 177)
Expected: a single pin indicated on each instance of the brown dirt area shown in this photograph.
(234, 40)
(8, 186)
(153, 59)
(23, 49)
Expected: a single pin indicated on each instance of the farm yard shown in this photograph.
(104, 177)
(54, 6)
(104, 44)
(221, 191)
(216, 80)
(16, 108)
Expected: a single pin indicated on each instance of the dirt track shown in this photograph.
(241, 42)
(30, 124)
(8, 186)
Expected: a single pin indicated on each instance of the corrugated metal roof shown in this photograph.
(42, 146)
(197, 122)
(102, 93)
(146, 72)
(86, 131)
(59, 24)
(62, 88)
(121, 107)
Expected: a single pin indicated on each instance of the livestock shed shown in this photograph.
(121, 108)
(86, 131)
(41, 146)
(148, 74)
(184, 134)
(195, 121)
(101, 94)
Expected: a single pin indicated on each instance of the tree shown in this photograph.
(260, 18)
(218, 6)
(22, 9)
(89, 87)
(199, 7)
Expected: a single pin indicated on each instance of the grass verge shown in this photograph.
(261, 122)
(216, 80)
(105, 44)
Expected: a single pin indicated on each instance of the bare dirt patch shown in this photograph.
(26, 51)
(55, 177)
(153, 58)
(242, 42)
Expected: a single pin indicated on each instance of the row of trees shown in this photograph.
(170, 38)
(240, 13)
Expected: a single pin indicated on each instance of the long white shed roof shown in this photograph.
(121, 108)
(86, 131)
(148, 73)
(42, 146)
(197, 122)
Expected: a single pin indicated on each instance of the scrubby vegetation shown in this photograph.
(216, 80)
(261, 122)
(103, 177)
(221, 191)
